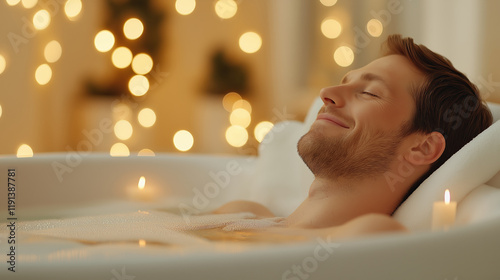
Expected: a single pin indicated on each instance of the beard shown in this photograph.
(355, 156)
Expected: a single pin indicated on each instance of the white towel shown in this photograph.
(477, 163)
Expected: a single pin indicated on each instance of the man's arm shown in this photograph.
(239, 206)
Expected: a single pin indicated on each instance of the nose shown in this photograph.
(332, 96)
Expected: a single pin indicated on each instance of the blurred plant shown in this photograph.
(150, 41)
(226, 75)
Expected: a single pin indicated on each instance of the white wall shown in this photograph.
(294, 63)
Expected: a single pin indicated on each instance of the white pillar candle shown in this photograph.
(443, 213)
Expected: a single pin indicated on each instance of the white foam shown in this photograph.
(151, 226)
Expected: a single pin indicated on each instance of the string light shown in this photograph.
(229, 99)
(236, 136)
(43, 74)
(121, 57)
(183, 140)
(242, 104)
(24, 151)
(104, 41)
(133, 28)
(343, 56)
(142, 64)
(331, 28)
(123, 130)
(146, 153)
(261, 129)
(328, 3)
(185, 7)
(138, 85)
(72, 9)
(28, 4)
(12, 2)
(119, 150)
(52, 51)
(250, 42)
(374, 27)
(146, 117)
(41, 19)
(226, 9)
(3, 64)
(240, 117)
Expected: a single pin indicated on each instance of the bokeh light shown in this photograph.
(52, 51)
(12, 2)
(240, 117)
(229, 99)
(374, 27)
(226, 9)
(328, 3)
(43, 74)
(261, 129)
(24, 151)
(250, 42)
(183, 140)
(41, 19)
(142, 64)
(0, 111)
(138, 85)
(72, 9)
(242, 104)
(146, 117)
(185, 7)
(3, 64)
(146, 153)
(28, 4)
(104, 41)
(121, 57)
(119, 150)
(343, 56)
(236, 136)
(123, 129)
(331, 28)
(133, 28)
(121, 111)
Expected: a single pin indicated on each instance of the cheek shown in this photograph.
(383, 118)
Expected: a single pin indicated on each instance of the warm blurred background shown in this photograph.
(204, 76)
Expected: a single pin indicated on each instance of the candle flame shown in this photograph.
(447, 196)
(142, 183)
(142, 242)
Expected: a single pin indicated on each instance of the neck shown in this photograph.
(334, 202)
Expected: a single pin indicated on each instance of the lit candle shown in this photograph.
(443, 213)
(141, 191)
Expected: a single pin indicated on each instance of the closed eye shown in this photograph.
(370, 94)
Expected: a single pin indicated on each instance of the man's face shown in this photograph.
(359, 129)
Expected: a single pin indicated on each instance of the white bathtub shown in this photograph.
(96, 184)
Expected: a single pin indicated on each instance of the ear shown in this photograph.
(426, 149)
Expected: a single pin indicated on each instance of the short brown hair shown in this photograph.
(446, 102)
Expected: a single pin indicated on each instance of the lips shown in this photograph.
(332, 119)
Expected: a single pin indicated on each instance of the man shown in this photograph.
(409, 108)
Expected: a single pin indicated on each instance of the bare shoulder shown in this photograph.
(375, 223)
(239, 206)
(368, 224)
